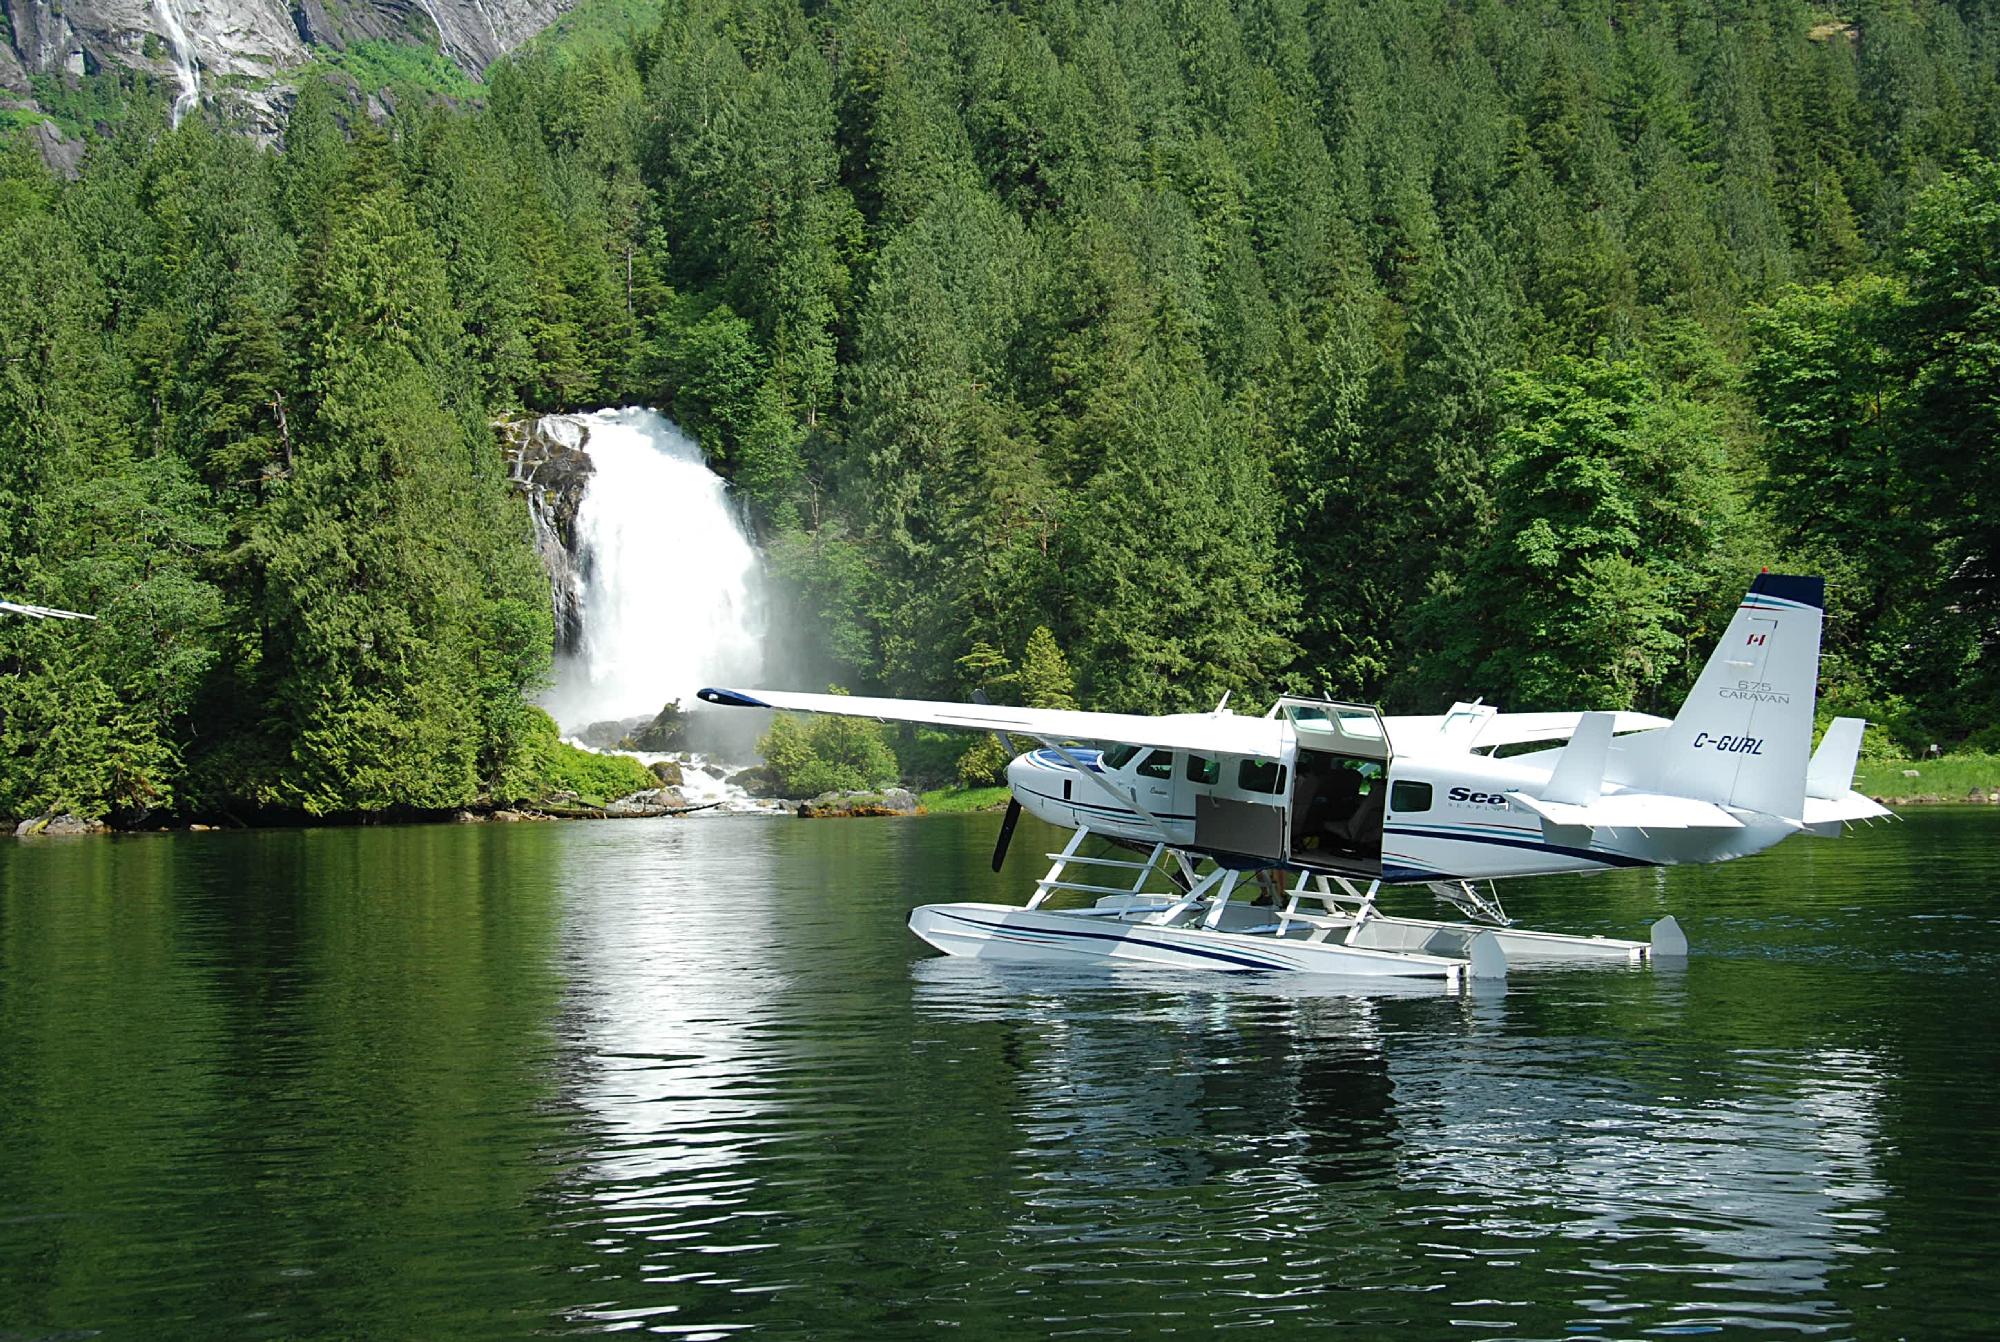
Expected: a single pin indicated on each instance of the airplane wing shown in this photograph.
(1201, 733)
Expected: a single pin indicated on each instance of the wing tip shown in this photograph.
(729, 698)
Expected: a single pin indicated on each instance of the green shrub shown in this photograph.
(827, 754)
(549, 764)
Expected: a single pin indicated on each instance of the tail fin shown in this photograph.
(1744, 736)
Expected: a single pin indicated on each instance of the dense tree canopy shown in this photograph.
(1393, 349)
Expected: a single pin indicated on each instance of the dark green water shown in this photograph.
(696, 1077)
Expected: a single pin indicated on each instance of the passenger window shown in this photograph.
(1159, 764)
(1119, 756)
(1260, 776)
(1201, 770)
(1409, 796)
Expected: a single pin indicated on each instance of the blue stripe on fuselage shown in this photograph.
(1533, 845)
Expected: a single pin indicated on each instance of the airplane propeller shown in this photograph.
(1013, 804)
(1006, 832)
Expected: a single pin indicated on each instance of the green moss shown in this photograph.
(397, 66)
(20, 118)
(957, 800)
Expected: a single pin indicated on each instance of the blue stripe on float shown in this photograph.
(1049, 934)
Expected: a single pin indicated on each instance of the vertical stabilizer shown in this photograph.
(1831, 773)
(1744, 736)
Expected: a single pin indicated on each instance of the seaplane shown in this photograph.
(1270, 843)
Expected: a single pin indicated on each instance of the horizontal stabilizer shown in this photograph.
(1632, 810)
(1831, 772)
(1848, 806)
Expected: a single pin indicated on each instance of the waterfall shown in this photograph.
(187, 71)
(671, 597)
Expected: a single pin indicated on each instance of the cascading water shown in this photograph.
(187, 70)
(672, 594)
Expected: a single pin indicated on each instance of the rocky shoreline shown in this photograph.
(652, 804)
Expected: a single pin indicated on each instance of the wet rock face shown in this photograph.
(245, 49)
(548, 462)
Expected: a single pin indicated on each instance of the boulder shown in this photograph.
(653, 801)
(668, 772)
(830, 805)
(759, 781)
(611, 734)
(665, 732)
(58, 824)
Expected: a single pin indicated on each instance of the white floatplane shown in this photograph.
(1316, 807)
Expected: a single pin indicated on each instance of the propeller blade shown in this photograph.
(1006, 832)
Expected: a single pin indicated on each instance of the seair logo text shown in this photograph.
(1729, 745)
(1476, 798)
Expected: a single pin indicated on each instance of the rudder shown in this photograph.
(1744, 734)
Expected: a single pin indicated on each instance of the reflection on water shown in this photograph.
(695, 1078)
(1431, 1130)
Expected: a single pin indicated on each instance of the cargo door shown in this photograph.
(1340, 785)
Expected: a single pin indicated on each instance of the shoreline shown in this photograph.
(72, 827)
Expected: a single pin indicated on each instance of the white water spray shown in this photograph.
(187, 70)
(672, 595)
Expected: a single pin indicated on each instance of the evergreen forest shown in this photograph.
(1400, 350)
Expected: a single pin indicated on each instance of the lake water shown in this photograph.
(695, 1076)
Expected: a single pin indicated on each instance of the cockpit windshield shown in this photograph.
(1117, 757)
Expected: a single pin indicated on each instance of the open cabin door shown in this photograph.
(1340, 785)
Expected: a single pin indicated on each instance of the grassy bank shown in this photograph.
(955, 800)
(1948, 777)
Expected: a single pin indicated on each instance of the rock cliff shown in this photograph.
(549, 463)
(236, 54)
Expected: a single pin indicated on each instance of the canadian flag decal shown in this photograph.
(1754, 639)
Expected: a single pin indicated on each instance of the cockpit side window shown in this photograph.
(1260, 776)
(1119, 756)
(1159, 764)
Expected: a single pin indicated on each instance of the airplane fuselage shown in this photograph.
(1403, 820)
